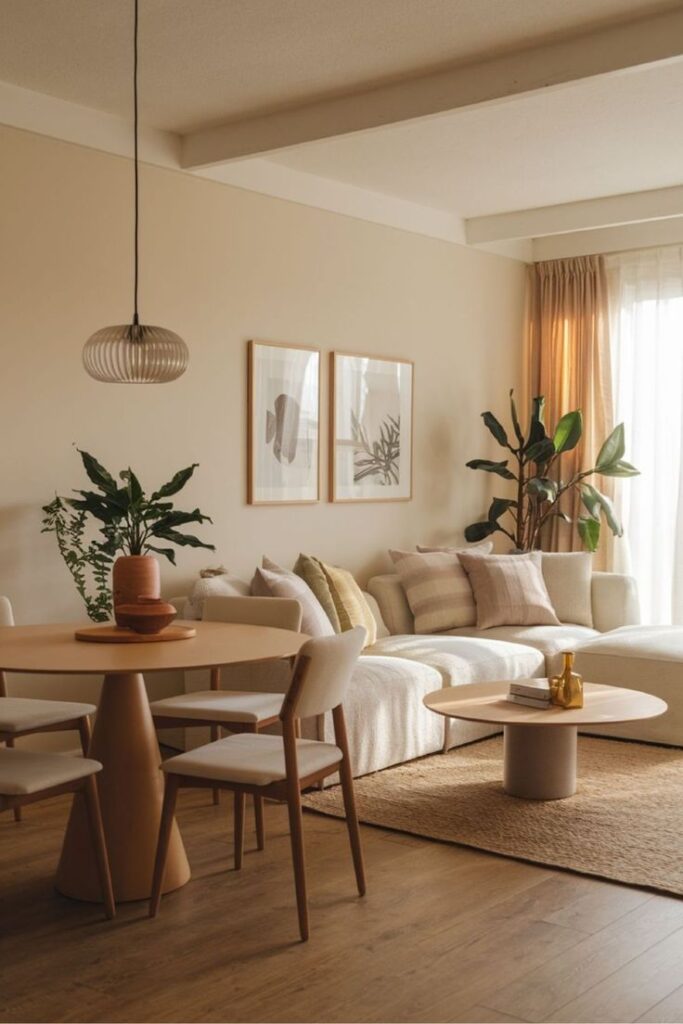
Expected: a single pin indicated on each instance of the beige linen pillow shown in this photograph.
(437, 589)
(311, 572)
(509, 590)
(568, 576)
(273, 581)
(352, 608)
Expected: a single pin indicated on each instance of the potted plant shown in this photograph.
(134, 527)
(539, 486)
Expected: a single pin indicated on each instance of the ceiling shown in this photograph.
(320, 73)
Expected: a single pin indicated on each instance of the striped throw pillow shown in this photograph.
(509, 590)
(437, 589)
(352, 608)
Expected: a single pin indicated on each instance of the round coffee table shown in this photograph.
(124, 739)
(539, 745)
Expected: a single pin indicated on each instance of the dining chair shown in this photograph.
(25, 716)
(237, 711)
(278, 767)
(27, 777)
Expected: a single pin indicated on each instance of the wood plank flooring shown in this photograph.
(444, 934)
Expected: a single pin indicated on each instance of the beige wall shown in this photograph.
(219, 266)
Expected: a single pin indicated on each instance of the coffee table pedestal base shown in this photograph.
(539, 763)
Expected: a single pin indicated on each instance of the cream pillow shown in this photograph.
(352, 608)
(273, 581)
(509, 590)
(568, 576)
(437, 589)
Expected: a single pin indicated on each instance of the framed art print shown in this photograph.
(283, 457)
(371, 428)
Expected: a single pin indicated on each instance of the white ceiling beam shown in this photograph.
(604, 51)
(631, 208)
(621, 237)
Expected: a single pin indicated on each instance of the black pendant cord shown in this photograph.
(136, 319)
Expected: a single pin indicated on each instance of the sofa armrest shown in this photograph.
(388, 591)
(615, 601)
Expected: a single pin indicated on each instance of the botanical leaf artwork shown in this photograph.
(380, 457)
(282, 427)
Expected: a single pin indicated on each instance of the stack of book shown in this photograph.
(534, 693)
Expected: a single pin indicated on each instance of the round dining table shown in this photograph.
(124, 739)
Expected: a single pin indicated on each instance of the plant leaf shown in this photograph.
(515, 418)
(183, 539)
(540, 452)
(612, 450)
(97, 473)
(598, 503)
(134, 489)
(496, 428)
(500, 468)
(166, 552)
(479, 531)
(499, 506)
(568, 431)
(589, 531)
(620, 468)
(536, 426)
(542, 487)
(175, 484)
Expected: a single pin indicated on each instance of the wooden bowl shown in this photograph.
(146, 615)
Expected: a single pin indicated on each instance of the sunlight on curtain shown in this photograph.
(646, 321)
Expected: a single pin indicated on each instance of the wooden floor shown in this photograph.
(444, 934)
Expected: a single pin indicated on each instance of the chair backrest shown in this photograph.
(6, 615)
(322, 672)
(278, 612)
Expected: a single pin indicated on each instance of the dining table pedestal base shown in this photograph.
(131, 793)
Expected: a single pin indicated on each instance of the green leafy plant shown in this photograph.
(129, 521)
(537, 457)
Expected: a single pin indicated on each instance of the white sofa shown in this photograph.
(386, 719)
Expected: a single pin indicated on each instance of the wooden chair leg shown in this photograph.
(260, 823)
(17, 810)
(352, 824)
(165, 826)
(92, 802)
(84, 732)
(216, 735)
(238, 827)
(298, 861)
(346, 777)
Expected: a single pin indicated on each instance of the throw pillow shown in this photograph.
(272, 581)
(568, 576)
(224, 585)
(352, 608)
(437, 589)
(311, 572)
(509, 590)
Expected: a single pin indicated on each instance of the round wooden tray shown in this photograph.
(110, 634)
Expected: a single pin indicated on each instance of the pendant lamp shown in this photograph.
(135, 353)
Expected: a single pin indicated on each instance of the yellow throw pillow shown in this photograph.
(352, 608)
(311, 572)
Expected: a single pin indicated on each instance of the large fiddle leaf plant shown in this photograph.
(535, 467)
(130, 523)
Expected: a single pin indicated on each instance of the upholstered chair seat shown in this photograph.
(220, 706)
(23, 772)
(24, 714)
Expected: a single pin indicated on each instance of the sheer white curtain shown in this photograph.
(646, 314)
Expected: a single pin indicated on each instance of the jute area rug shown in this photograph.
(625, 822)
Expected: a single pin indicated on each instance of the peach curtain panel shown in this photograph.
(568, 360)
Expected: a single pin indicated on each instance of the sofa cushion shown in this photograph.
(437, 589)
(509, 590)
(311, 572)
(568, 576)
(461, 659)
(549, 640)
(272, 581)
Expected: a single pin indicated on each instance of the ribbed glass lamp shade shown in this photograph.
(135, 354)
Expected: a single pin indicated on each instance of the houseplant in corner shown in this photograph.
(539, 486)
(133, 526)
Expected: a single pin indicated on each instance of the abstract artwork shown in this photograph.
(371, 428)
(283, 423)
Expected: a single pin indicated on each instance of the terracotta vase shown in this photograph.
(134, 576)
(147, 615)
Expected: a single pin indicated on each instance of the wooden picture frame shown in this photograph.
(283, 423)
(371, 445)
